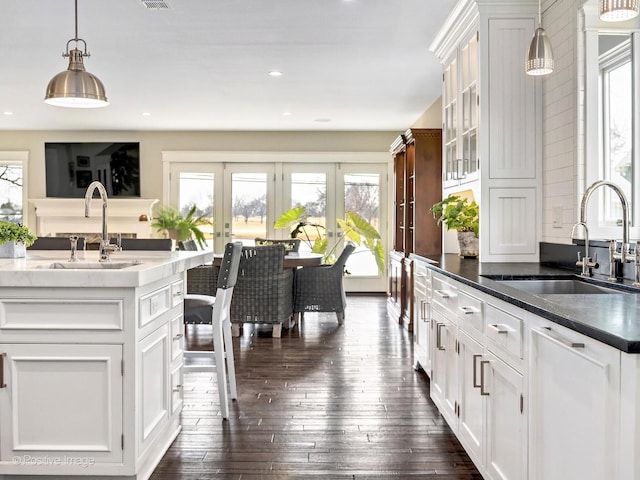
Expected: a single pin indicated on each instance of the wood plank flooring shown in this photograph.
(322, 402)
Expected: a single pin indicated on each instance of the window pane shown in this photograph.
(11, 192)
(197, 189)
(362, 196)
(310, 190)
(249, 206)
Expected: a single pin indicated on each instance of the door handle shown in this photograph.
(482, 390)
(475, 371)
(439, 336)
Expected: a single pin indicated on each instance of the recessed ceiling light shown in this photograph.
(275, 73)
(322, 120)
(286, 114)
(7, 113)
(146, 114)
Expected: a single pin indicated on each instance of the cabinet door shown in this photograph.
(471, 408)
(502, 387)
(573, 385)
(60, 402)
(154, 387)
(422, 321)
(444, 378)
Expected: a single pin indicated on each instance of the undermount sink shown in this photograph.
(88, 265)
(558, 287)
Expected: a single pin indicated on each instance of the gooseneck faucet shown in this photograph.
(105, 247)
(614, 256)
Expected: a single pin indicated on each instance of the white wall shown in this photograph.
(432, 117)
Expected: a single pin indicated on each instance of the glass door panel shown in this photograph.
(249, 203)
(195, 184)
(361, 191)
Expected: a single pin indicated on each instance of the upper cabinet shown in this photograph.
(460, 116)
(492, 135)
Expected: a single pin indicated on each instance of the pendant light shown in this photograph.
(75, 87)
(617, 10)
(540, 58)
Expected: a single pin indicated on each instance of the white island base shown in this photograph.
(91, 365)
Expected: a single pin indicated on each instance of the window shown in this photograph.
(12, 180)
(616, 118)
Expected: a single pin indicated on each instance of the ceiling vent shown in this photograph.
(155, 4)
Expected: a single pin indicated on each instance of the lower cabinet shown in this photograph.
(471, 422)
(422, 327)
(574, 383)
(61, 402)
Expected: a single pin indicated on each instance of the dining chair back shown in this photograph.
(187, 245)
(162, 244)
(290, 244)
(216, 311)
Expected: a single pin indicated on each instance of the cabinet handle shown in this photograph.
(439, 336)
(178, 294)
(2, 384)
(475, 371)
(178, 336)
(482, 390)
(501, 329)
(468, 310)
(423, 310)
(442, 293)
(567, 343)
(177, 388)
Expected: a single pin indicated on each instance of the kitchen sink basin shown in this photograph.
(558, 287)
(88, 265)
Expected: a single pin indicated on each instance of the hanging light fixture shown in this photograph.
(618, 10)
(540, 58)
(75, 87)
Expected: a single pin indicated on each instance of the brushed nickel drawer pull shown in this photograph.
(442, 293)
(563, 341)
(468, 310)
(2, 384)
(178, 336)
(177, 388)
(499, 328)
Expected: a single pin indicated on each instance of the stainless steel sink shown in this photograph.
(558, 287)
(88, 265)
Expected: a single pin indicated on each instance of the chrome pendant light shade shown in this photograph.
(75, 87)
(618, 10)
(540, 57)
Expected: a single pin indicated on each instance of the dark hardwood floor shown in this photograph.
(322, 402)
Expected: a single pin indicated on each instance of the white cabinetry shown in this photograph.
(422, 327)
(477, 378)
(492, 123)
(574, 387)
(90, 381)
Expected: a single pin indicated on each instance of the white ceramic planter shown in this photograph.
(12, 250)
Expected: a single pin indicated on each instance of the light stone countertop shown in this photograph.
(34, 270)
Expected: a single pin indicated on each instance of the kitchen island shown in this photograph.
(91, 362)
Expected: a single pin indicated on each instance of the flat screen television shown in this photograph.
(71, 167)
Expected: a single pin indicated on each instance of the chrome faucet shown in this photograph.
(614, 257)
(105, 247)
(585, 262)
(74, 248)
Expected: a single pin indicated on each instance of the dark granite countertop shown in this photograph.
(613, 319)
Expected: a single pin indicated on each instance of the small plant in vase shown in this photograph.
(457, 213)
(14, 238)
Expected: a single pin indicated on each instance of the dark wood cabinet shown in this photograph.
(417, 165)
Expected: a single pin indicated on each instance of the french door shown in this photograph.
(244, 199)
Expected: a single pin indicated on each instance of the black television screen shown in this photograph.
(71, 167)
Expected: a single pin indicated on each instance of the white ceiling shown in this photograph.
(203, 64)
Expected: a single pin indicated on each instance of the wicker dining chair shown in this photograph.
(320, 288)
(264, 291)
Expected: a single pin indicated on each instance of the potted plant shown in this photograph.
(355, 228)
(14, 238)
(181, 227)
(456, 213)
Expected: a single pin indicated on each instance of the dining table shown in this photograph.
(291, 259)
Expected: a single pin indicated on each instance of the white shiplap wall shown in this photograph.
(562, 136)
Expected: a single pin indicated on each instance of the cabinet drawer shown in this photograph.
(504, 329)
(154, 304)
(470, 311)
(177, 389)
(444, 294)
(177, 337)
(177, 292)
(421, 280)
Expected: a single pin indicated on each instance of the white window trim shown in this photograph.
(19, 157)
